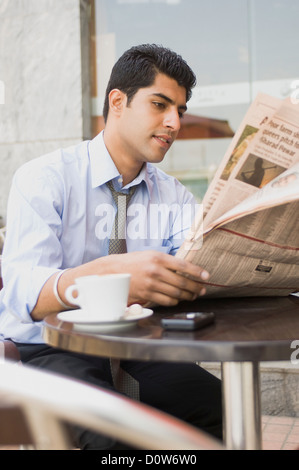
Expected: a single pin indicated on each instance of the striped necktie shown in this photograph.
(123, 381)
(118, 242)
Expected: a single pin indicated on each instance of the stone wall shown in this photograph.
(279, 385)
(44, 73)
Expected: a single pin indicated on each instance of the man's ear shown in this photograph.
(117, 100)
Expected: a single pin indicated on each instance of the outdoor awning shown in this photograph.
(193, 127)
(198, 127)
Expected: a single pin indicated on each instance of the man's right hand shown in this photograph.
(157, 278)
(161, 278)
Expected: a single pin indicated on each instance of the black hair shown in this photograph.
(137, 68)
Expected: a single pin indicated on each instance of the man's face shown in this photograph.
(151, 122)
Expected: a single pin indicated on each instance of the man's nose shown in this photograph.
(172, 120)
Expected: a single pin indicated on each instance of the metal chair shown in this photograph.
(9, 352)
(48, 401)
(13, 428)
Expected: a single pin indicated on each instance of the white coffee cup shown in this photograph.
(102, 298)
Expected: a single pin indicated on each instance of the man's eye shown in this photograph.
(159, 105)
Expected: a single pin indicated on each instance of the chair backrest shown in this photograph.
(14, 429)
(8, 351)
(49, 400)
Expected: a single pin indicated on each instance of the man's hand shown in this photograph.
(161, 278)
(157, 278)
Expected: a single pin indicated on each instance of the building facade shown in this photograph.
(56, 57)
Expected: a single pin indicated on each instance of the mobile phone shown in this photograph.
(188, 320)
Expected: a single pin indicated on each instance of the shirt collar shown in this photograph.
(103, 168)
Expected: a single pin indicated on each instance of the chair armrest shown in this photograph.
(48, 399)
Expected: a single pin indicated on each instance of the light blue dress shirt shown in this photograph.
(60, 215)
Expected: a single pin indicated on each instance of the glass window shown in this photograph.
(235, 47)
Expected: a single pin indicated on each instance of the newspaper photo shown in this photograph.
(248, 237)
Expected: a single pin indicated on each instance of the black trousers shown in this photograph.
(185, 391)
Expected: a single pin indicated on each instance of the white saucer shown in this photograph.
(83, 323)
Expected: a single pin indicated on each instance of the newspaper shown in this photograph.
(248, 237)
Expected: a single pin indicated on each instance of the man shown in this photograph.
(57, 231)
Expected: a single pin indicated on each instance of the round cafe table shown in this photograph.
(246, 331)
